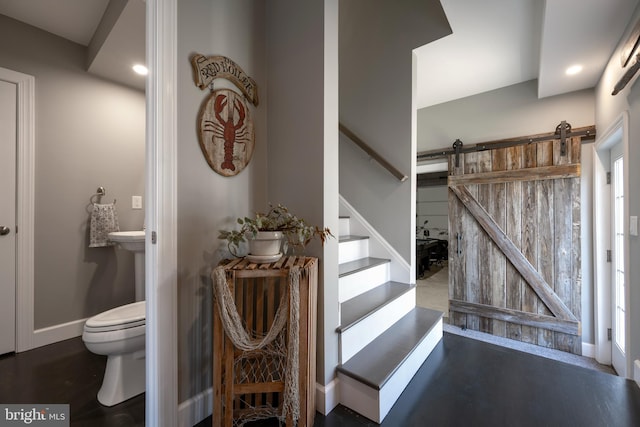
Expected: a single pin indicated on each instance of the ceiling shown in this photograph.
(495, 43)
(498, 43)
(112, 30)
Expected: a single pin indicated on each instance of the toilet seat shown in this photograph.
(125, 317)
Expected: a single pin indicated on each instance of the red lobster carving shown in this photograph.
(228, 129)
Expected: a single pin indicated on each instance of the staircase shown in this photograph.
(384, 337)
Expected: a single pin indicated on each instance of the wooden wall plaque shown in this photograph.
(226, 132)
(225, 126)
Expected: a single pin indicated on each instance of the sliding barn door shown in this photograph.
(514, 251)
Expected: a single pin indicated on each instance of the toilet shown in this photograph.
(119, 333)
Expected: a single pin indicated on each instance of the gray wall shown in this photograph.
(207, 201)
(303, 140)
(608, 110)
(298, 159)
(301, 169)
(89, 133)
(516, 111)
(376, 103)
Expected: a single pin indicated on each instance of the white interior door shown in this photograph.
(618, 285)
(8, 102)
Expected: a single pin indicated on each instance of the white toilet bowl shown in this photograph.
(119, 334)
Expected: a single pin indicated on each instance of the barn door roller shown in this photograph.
(457, 147)
(563, 129)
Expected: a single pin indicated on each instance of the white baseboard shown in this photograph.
(636, 371)
(57, 333)
(195, 409)
(327, 397)
(589, 350)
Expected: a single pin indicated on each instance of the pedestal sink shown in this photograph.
(133, 241)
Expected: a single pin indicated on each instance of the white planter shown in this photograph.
(265, 243)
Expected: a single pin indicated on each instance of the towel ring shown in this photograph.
(101, 191)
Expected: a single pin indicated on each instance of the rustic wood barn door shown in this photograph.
(514, 251)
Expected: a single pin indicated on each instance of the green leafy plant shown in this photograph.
(297, 233)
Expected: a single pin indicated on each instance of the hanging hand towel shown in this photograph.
(104, 220)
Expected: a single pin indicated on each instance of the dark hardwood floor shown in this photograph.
(470, 383)
(65, 372)
(463, 383)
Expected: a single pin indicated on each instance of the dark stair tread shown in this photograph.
(351, 238)
(375, 363)
(351, 267)
(359, 307)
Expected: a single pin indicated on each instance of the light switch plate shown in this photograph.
(633, 225)
(136, 202)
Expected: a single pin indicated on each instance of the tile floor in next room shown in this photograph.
(432, 289)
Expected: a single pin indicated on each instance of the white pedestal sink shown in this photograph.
(133, 241)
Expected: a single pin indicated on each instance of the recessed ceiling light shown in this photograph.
(573, 70)
(140, 69)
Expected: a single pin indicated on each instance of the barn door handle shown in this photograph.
(4, 230)
(458, 239)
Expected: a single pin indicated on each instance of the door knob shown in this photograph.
(4, 230)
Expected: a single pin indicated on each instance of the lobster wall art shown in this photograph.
(225, 131)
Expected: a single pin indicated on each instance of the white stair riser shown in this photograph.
(359, 335)
(359, 397)
(353, 250)
(344, 228)
(396, 384)
(376, 404)
(354, 284)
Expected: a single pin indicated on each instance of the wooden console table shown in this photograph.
(257, 289)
